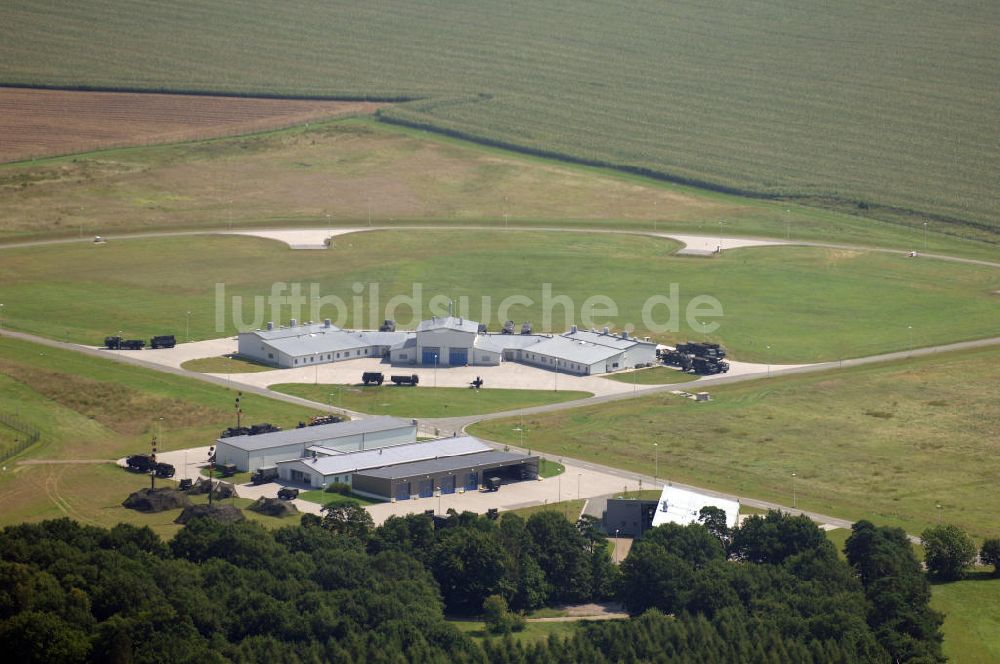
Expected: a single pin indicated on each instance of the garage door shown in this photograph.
(426, 488)
(403, 491)
(472, 482)
(448, 484)
(458, 357)
(429, 355)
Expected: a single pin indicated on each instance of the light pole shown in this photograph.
(187, 326)
(788, 228)
(721, 221)
(616, 544)
(656, 462)
(578, 477)
(119, 343)
(369, 199)
(769, 361)
(925, 237)
(910, 328)
(1, 316)
(794, 499)
(939, 508)
(435, 370)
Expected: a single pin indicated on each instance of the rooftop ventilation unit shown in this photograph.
(572, 329)
(292, 323)
(606, 330)
(327, 322)
(270, 325)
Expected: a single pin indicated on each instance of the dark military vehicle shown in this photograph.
(139, 463)
(405, 380)
(704, 359)
(253, 430)
(164, 470)
(288, 493)
(388, 325)
(369, 377)
(117, 343)
(265, 474)
(525, 328)
(163, 341)
(493, 483)
(477, 383)
(227, 469)
(508, 328)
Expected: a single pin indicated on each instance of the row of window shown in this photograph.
(330, 356)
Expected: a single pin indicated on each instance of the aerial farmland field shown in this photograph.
(886, 107)
(41, 123)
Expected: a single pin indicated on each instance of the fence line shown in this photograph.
(31, 436)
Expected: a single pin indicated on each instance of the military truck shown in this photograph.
(411, 380)
(369, 377)
(264, 474)
(388, 325)
(493, 483)
(163, 341)
(288, 493)
(164, 470)
(227, 469)
(252, 430)
(139, 463)
(702, 349)
(525, 328)
(508, 328)
(117, 343)
(704, 359)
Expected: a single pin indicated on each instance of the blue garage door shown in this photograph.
(403, 491)
(448, 484)
(426, 488)
(429, 355)
(472, 481)
(458, 357)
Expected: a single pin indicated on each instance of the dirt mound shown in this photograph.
(220, 490)
(156, 500)
(274, 507)
(222, 513)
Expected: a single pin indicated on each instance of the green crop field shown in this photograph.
(807, 304)
(883, 442)
(92, 409)
(425, 401)
(892, 105)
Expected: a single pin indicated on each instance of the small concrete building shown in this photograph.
(322, 470)
(447, 475)
(447, 342)
(628, 517)
(266, 449)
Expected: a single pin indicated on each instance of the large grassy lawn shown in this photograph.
(224, 365)
(972, 619)
(91, 409)
(806, 304)
(883, 442)
(426, 402)
(653, 376)
(845, 102)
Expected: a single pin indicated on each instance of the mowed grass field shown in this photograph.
(972, 618)
(424, 401)
(357, 172)
(885, 442)
(857, 101)
(94, 409)
(807, 304)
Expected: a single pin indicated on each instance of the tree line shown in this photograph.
(337, 589)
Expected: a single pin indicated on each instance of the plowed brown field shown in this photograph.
(39, 123)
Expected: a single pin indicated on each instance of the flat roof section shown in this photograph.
(682, 506)
(316, 435)
(398, 454)
(435, 466)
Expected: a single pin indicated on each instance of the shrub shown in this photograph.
(339, 487)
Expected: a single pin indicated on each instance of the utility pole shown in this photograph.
(794, 499)
(152, 465)
(211, 472)
(239, 411)
(656, 462)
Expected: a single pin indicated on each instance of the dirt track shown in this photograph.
(39, 123)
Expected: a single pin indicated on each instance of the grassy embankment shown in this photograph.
(224, 365)
(823, 107)
(425, 402)
(94, 409)
(806, 304)
(885, 442)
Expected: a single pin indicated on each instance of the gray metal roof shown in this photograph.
(502, 342)
(316, 435)
(451, 464)
(317, 339)
(610, 340)
(573, 351)
(448, 322)
(388, 456)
